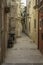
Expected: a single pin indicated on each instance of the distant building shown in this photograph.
(24, 19)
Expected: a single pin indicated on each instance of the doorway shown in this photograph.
(41, 31)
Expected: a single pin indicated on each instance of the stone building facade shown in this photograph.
(15, 17)
(18, 19)
(4, 29)
(32, 20)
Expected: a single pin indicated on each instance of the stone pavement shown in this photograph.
(24, 51)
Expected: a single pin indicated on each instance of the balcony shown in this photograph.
(38, 4)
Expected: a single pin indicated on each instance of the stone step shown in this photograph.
(23, 64)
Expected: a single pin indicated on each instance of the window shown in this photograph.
(35, 23)
(29, 26)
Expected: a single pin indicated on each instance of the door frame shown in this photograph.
(38, 30)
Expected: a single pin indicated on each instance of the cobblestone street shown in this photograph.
(24, 51)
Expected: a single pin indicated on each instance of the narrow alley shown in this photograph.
(24, 51)
(21, 32)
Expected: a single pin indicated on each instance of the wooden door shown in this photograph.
(41, 31)
(0, 30)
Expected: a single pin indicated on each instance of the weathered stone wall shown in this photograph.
(3, 29)
(15, 16)
(31, 18)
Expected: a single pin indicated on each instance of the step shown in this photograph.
(23, 64)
